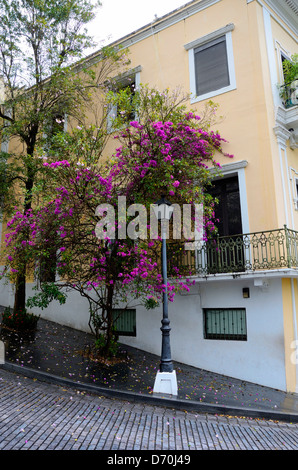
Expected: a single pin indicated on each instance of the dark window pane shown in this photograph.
(228, 211)
(211, 67)
(225, 254)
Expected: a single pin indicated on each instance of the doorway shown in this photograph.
(225, 251)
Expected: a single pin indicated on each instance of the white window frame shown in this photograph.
(133, 75)
(229, 170)
(295, 192)
(221, 334)
(233, 169)
(191, 46)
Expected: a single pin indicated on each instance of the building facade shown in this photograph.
(240, 317)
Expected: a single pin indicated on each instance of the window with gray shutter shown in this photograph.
(211, 66)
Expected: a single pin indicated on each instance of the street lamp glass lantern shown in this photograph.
(163, 209)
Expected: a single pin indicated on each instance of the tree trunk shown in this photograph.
(109, 330)
(20, 293)
(20, 285)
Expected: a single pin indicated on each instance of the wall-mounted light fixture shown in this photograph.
(245, 292)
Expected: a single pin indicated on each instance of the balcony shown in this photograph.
(286, 119)
(243, 253)
(289, 94)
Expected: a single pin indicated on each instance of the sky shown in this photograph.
(117, 18)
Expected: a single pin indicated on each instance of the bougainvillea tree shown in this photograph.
(39, 43)
(92, 226)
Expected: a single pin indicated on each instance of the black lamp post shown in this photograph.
(163, 211)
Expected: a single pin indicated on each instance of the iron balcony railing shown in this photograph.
(274, 249)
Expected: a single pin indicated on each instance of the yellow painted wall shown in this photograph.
(248, 111)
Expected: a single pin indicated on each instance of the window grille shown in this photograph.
(125, 321)
(225, 324)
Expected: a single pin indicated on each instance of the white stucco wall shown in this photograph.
(6, 293)
(74, 313)
(260, 359)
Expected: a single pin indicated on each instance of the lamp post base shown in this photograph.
(166, 383)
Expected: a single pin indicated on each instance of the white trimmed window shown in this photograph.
(125, 321)
(225, 324)
(211, 64)
(130, 79)
(296, 194)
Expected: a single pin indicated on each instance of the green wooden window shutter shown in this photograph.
(125, 321)
(225, 323)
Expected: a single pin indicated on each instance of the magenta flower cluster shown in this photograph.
(155, 156)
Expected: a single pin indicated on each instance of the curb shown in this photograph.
(153, 400)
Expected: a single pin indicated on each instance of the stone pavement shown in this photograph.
(55, 354)
(41, 416)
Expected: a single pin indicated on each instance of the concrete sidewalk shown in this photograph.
(55, 354)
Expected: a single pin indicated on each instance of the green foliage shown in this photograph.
(20, 320)
(49, 292)
(96, 322)
(52, 29)
(109, 274)
(151, 303)
(145, 104)
(105, 348)
(83, 145)
(3, 184)
(290, 69)
(40, 43)
(153, 105)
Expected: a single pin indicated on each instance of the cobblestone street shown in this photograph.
(39, 416)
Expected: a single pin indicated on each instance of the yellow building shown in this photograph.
(240, 318)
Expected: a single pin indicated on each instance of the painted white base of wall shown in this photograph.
(74, 313)
(260, 359)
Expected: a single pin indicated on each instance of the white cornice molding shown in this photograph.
(160, 24)
(287, 118)
(282, 134)
(166, 21)
(181, 14)
(128, 73)
(282, 13)
(209, 37)
(230, 167)
(261, 275)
